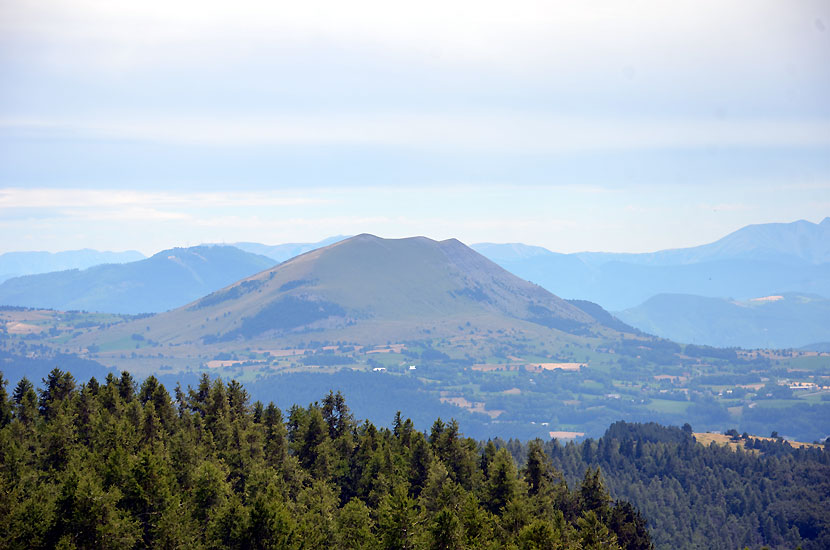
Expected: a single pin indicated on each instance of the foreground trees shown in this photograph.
(113, 464)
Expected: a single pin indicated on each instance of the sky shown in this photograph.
(625, 125)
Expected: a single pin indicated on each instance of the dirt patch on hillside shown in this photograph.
(566, 435)
(472, 406)
(216, 364)
(15, 327)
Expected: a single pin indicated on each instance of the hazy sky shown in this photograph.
(618, 125)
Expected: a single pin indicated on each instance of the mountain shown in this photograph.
(282, 252)
(512, 251)
(16, 264)
(164, 281)
(779, 321)
(800, 242)
(366, 290)
(754, 261)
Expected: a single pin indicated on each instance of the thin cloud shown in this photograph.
(87, 199)
(727, 207)
(504, 133)
(135, 213)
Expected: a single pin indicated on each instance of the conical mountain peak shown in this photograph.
(369, 289)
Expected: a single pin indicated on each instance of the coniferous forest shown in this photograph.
(126, 465)
(708, 497)
(116, 465)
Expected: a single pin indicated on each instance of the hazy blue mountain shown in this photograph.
(512, 251)
(164, 281)
(775, 321)
(754, 261)
(283, 252)
(619, 285)
(799, 242)
(15, 264)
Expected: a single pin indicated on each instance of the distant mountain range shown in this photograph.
(161, 282)
(756, 260)
(799, 242)
(775, 321)
(16, 264)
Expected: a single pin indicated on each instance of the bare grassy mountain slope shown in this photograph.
(370, 290)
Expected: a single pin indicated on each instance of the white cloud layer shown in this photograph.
(660, 123)
(487, 30)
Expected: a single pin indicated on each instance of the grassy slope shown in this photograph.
(392, 290)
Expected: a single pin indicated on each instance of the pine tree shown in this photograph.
(419, 464)
(594, 534)
(593, 496)
(5, 403)
(313, 445)
(502, 484)
(398, 521)
(445, 531)
(126, 387)
(58, 386)
(354, 527)
(275, 436)
(630, 527)
(25, 401)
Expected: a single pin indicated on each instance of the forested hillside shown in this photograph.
(707, 497)
(116, 465)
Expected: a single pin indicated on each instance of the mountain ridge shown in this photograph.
(780, 321)
(17, 264)
(800, 241)
(161, 282)
(743, 264)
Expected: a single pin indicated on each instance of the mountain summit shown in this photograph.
(370, 290)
